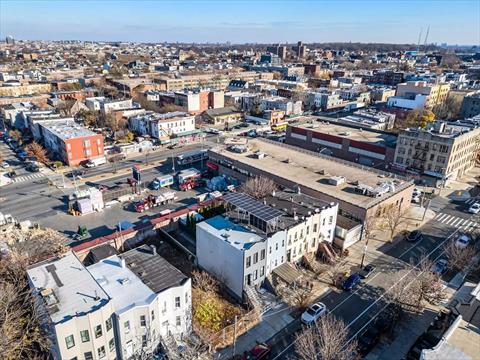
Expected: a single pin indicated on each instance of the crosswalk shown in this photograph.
(472, 200)
(454, 221)
(28, 177)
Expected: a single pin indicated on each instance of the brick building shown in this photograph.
(70, 141)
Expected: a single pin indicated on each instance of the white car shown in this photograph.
(313, 313)
(416, 199)
(475, 208)
(5, 165)
(416, 192)
(462, 241)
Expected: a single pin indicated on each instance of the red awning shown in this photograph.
(212, 165)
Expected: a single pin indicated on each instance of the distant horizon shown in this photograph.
(244, 22)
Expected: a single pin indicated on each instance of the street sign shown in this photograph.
(136, 173)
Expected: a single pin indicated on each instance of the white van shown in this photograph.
(96, 162)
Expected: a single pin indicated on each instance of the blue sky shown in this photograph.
(451, 21)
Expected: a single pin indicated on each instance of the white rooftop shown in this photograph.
(121, 284)
(75, 291)
(67, 129)
(236, 235)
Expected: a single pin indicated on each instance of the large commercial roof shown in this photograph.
(313, 171)
(75, 291)
(352, 133)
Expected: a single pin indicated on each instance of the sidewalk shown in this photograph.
(408, 331)
(273, 321)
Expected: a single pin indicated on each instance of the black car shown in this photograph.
(32, 167)
(367, 340)
(414, 236)
(367, 271)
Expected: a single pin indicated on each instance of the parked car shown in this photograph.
(462, 241)
(439, 266)
(351, 282)
(5, 165)
(258, 352)
(22, 155)
(32, 167)
(415, 236)
(475, 208)
(416, 199)
(367, 271)
(313, 313)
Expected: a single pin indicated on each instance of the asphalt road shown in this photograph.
(357, 308)
(35, 200)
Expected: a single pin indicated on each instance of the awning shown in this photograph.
(287, 273)
(212, 166)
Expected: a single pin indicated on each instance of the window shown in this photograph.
(275, 262)
(323, 221)
(186, 299)
(178, 321)
(108, 324)
(255, 258)
(255, 275)
(283, 243)
(88, 355)
(313, 243)
(143, 321)
(153, 315)
(276, 246)
(270, 250)
(177, 301)
(308, 229)
(301, 234)
(98, 331)
(126, 326)
(330, 220)
(262, 271)
(69, 146)
(74, 358)
(249, 261)
(280, 261)
(111, 344)
(432, 156)
(315, 228)
(262, 254)
(399, 160)
(85, 335)
(144, 340)
(164, 309)
(69, 341)
(86, 143)
(101, 352)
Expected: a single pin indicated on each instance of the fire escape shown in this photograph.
(420, 156)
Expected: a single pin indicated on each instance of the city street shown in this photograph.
(357, 308)
(34, 199)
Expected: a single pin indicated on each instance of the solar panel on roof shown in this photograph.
(252, 206)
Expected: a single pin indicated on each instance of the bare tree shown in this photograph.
(300, 295)
(21, 336)
(370, 224)
(392, 216)
(336, 272)
(15, 135)
(259, 187)
(461, 259)
(327, 339)
(37, 150)
(204, 281)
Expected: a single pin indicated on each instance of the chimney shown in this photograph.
(154, 249)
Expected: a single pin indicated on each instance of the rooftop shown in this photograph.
(352, 133)
(222, 111)
(75, 291)
(67, 129)
(124, 287)
(237, 236)
(154, 271)
(314, 171)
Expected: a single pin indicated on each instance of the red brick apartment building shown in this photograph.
(71, 142)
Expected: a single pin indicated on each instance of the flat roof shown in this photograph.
(236, 235)
(67, 129)
(351, 133)
(313, 171)
(74, 288)
(124, 287)
(154, 271)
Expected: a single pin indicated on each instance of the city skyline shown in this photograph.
(235, 22)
